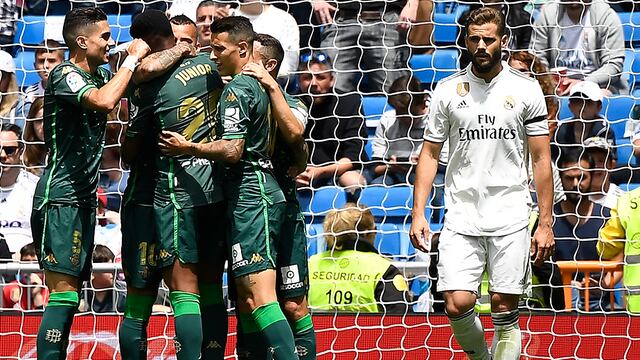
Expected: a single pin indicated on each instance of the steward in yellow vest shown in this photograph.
(620, 240)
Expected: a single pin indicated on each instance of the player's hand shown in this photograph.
(173, 144)
(408, 16)
(188, 50)
(258, 71)
(542, 245)
(419, 233)
(324, 11)
(139, 49)
(222, 12)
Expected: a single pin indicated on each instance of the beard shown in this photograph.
(485, 67)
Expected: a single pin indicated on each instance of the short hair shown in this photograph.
(102, 254)
(574, 155)
(150, 23)
(239, 28)
(28, 250)
(205, 3)
(314, 58)
(406, 90)
(271, 48)
(14, 129)
(352, 223)
(486, 15)
(49, 46)
(77, 20)
(182, 20)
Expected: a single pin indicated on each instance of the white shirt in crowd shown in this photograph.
(15, 211)
(394, 137)
(487, 124)
(574, 43)
(610, 199)
(282, 26)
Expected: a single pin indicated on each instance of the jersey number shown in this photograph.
(338, 297)
(147, 254)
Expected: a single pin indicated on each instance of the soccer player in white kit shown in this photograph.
(493, 116)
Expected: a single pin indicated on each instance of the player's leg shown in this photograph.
(460, 266)
(213, 255)
(64, 243)
(139, 256)
(178, 258)
(293, 281)
(509, 278)
(254, 231)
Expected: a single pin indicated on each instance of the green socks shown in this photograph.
(276, 331)
(305, 338)
(250, 343)
(188, 325)
(53, 334)
(214, 321)
(133, 330)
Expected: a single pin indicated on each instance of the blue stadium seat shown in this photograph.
(120, 25)
(325, 199)
(629, 187)
(387, 240)
(385, 202)
(29, 30)
(25, 72)
(624, 153)
(634, 70)
(312, 241)
(374, 106)
(430, 68)
(630, 26)
(445, 30)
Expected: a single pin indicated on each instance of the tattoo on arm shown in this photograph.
(157, 64)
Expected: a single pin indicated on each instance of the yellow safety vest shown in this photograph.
(629, 214)
(345, 280)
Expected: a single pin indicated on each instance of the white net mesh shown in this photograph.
(369, 51)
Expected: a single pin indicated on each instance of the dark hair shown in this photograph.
(486, 15)
(77, 20)
(14, 129)
(239, 28)
(271, 48)
(182, 20)
(102, 254)
(50, 46)
(574, 155)
(404, 91)
(28, 250)
(150, 23)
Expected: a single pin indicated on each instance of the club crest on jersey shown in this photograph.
(509, 103)
(231, 97)
(75, 81)
(463, 88)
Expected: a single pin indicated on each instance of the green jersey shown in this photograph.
(244, 112)
(282, 158)
(183, 100)
(74, 136)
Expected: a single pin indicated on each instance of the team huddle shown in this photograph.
(212, 167)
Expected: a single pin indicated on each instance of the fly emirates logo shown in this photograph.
(486, 129)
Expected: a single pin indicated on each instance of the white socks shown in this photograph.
(507, 340)
(468, 331)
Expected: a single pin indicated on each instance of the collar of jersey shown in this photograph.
(474, 78)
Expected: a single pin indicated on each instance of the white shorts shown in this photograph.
(462, 260)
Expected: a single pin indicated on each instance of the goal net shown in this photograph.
(577, 306)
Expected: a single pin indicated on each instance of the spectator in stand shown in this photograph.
(105, 294)
(206, 12)
(369, 35)
(603, 191)
(335, 133)
(29, 292)
(351, 276)
(107, 225)
(16, 189)
(9, 92)
(584, 37)
(578, 221)
(35, 150)
(268, 19)
(585, 103)
(8, 16)
(398, 137)
(618, 241)
(48, 55)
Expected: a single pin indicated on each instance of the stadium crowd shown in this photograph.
(336, 53)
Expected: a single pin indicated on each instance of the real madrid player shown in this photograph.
(78, 97)
(492, 116)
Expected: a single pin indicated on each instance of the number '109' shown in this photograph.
(339, 297)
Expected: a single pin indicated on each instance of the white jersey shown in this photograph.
(487, 124)
(15, 212)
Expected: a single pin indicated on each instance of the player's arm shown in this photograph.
(543, 244)
(158, 63)
(425, 173)
(106, 98)
(226, 150)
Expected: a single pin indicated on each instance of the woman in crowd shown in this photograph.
(35, 152)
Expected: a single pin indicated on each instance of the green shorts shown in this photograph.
(254, 227)
(184, 233)
(63, 235)
(293, 268)
(139, 247)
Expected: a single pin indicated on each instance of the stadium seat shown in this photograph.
(29, 30)
(430, 68)
(25, 72)
(624, 153)
(387, 240)
(634, 67)
(386, 202)
(629, 187)
(631, 27)
(445, 30)
(312, 241)
(374, 106)
(323, 200)
(120, 25)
